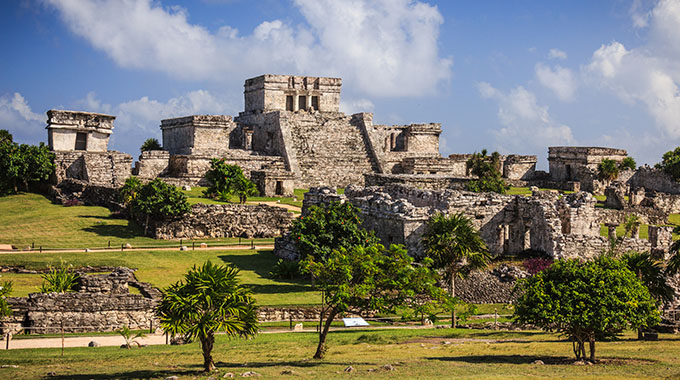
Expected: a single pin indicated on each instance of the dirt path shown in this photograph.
(277, 204)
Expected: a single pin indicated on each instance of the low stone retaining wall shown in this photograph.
(492, 286)
(227, 220)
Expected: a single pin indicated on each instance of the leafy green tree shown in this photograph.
(608, 169)
(670, 163)
(371, 278)
(59, 280)
(150, 144)
(329, 227)
(128, 192)
(227, 180)
(6, 288)
(5, 136)
(208, 300)
(628, 163)
(21, 164)
(158, 200)
(454, 244)
(487, 169)
(585, 301)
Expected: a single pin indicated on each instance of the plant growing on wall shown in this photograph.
(59, 280)
(209, 299)
(585, 301)
(6, 288)
(21, 164)
(150, 144)
(454, 244)
(608, 169)
(631, 225)
(487, 169)
(227, 180)
(371, 278)
(329, 227)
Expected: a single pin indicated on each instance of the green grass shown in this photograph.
(620, 230)
(526, 191)
(195, 195)
(414, 354)
(31, 219)
(161, 268)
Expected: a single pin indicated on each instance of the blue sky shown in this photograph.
(514, 76)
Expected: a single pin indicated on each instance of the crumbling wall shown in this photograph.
(98, 168)
(226, 220)
(152, 164)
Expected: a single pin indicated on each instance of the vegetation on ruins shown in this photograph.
(362, 279)
(631, 225)
(227, 180)
(608, 169)
(60, 279)
(628, 163)
(673, 264)
(150, 144)
(585, 301)
(129, 337)
(209, 299)
(22, 164)
(651, 273)
(6, 288)
(487, 169)
(329, 227)
(454, 244)
(154, 200)
(670, 163)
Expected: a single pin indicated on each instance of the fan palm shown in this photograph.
(209, 299)
(454, 244)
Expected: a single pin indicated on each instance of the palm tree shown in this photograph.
(126, 333)
(209, 299)
(454, 244)
(673, 265)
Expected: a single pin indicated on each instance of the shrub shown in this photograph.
(628, 163)
(227, 180)
(150, 144)
(536, 265)
(5, 290)
(608, 169)
(155, 200)
(670, 163)
(487, 169)
(285, 269)
(59, 280)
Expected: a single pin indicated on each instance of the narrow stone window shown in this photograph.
(302, 103)
(315, 103)
(289, 103)
(81, 141)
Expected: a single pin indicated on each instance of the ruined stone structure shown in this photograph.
(101, 302)
(579, 164)
(561, 226)
(80, 141)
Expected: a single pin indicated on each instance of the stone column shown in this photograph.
(611, 230)
(660, 238)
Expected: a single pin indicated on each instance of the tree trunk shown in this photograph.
(592, 349)
(146, 224)
(453, 295)
(321, 348)
(207, 343)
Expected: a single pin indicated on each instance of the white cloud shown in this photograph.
(17, 117)
(558, 79)
(383, 48)
(649, 74)
(525, 124)
(557, 54)
(354, 106)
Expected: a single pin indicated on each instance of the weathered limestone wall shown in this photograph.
(423, 181)
(519, 167)
(63, 126)
(269, 93)
(565, 161)
(227, 220)
(190, 169)
(571, 246)
(152, 164)
(99, 168)
(198, 134)
(654, 180)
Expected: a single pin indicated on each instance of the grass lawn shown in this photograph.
(620, 230)
(195, 195)
(161, 268)
(414, 354)
(526, 191)
(28, 218)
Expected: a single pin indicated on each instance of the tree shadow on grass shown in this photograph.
(305, 363)
(260, 262)
(114, 231)
(529, 359)
(277, 288)
(139, 374)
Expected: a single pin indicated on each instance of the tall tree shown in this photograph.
(454, 244)
(21, 164)
(208, 300)
(586, 301)
(487, 169)
(150, 144)
(372, 278)
(227, 180)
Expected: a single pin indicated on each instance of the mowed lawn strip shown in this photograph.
(413, 354)
(28, 218)
(161, 268)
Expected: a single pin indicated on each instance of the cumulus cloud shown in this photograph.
(351, 107)
(557, 54)
(648, 75)
(383, 48)
(525, 123)
(558, 79)
(17, 117)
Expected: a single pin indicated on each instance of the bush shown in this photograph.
(21, 164)
(151, 144)
(156, 200)
(487, 169)
(285, 269)
(59, 280)
(227, 180)
(628, 163)
(608, 169)
(670, 163)
(536, 265)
